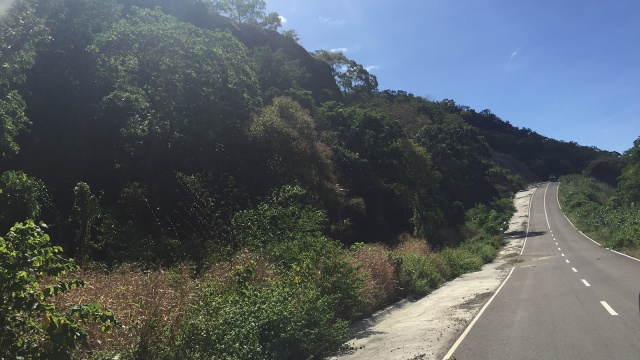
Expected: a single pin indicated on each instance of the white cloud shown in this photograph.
(330, 20)
(342, 50)
(372, 67)
(513, 54)
(282, 19)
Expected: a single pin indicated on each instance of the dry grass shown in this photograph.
(143, 301)
(409, 243)
(244, 264)
(380, 286)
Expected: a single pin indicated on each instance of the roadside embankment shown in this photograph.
(426, 328)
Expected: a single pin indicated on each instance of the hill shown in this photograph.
(161, 133)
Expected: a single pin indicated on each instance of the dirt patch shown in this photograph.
(428, 327)
(476, 301)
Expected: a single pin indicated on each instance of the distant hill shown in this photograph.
(138, 108)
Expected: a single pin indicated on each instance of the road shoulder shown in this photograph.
(428, 327)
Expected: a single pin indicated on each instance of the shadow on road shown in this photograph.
(522, 234)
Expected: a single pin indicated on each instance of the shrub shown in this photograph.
(284, 319)
(484, 250)
(409, 243)
(21, 197)
(461, 261)
(373, 261)
(30, 324)
(418, 275)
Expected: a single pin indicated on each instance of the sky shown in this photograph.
(567, 69)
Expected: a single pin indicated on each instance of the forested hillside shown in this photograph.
(162, 133)
(607, 212)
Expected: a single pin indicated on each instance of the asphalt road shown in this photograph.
(566, 298)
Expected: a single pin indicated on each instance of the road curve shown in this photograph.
(566, 298)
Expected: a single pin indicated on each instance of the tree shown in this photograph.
(247, 12)
(21, 197)
(288, 147)
(272, 21)
(20, 31)
(291, 34)
(350, 76)
(86, 210)
(179, 95)
(629, 182)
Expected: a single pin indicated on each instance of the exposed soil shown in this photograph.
(428, 327)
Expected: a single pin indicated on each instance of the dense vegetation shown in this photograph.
(609, 214)
(267, 195)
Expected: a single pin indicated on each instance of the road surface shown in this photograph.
(566, 298)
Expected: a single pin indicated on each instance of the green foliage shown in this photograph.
(20, 31)
(277, 72)
(606, 169)
(30, 325)
(462, 260)
(281, 218)
(288, 148)
(350, 76)
(492, 219)
(284, 319)
(419, 274)
(290, 234)
(291, 34)
(598, 210)
(176, 89)
(298, 315)
(461, 156)
(86, 211)
(21, 197)
(247, 12)
(629, 187)
(13, 121)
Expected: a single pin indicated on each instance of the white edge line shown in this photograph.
(544, 202)
(528, 221)
(609, 308)
(466, 331)
(629, 256)
(583, 234)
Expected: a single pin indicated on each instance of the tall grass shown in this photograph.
(593, 207)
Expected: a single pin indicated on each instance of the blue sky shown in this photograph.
(568, 69)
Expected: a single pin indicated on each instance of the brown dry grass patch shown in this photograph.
(380, 284)
(412, 244)
(143, 301)
(244, 264)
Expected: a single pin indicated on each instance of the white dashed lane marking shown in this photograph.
(609, 309)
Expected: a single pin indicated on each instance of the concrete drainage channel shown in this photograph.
(426, 328)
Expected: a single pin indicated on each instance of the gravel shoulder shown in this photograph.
(426, 328)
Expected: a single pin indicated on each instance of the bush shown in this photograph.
(485, 251)
(372, 260)
(461, 261)
(284, 319)
(30, 324)
(418, 273)
(21, 197)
